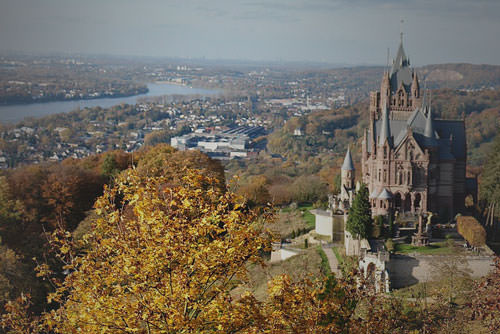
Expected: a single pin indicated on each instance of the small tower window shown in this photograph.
(385, 152)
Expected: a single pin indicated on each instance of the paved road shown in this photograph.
(332, 259)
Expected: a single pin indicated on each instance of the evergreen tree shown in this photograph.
(109, 166)
(359, 221)
(390, 230)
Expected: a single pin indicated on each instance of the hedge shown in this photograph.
(471, 230)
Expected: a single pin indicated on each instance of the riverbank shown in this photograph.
(140, 91)
(16, 113)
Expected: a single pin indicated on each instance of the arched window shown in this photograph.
(417, 202)
(385, 152)
(397, 202)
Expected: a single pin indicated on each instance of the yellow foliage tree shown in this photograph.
(160, 259)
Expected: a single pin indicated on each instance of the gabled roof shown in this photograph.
(348, 165)
(385, 194)
(374, 193)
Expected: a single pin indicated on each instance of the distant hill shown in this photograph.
(363, 79)
(461, 76)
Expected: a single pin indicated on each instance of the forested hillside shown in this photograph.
(168, 248)
(333, 130)
(40, 199)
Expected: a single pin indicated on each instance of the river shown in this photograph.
(16, 113)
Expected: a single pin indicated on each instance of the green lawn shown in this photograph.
(435, 248)
(308, 216)
(337, 255)
(325, 265)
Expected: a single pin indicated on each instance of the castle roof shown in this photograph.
(374, 193)
(448, 135)
(385, 194)
(401, 72)
(348, 165)
(429, 128)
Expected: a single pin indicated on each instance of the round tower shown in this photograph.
(347, 177)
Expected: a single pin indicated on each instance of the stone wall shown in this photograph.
(406, 270)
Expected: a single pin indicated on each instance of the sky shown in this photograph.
(334, 31)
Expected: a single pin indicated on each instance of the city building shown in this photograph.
(233, 143)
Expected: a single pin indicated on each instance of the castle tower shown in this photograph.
(399, 90)
(347, 178)
(411, 161)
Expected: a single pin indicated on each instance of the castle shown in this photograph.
(411, 162)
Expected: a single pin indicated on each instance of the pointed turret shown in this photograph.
(401, 60)
(385, 131)
(401, 73)
(429, 124)
(415, 87)
(429, 128)
(348, 165)
(347, 178)
(385, 87)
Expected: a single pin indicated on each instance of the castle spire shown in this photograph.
(348, 165)
(429, 126)
(401, 59)
(415, 87)
(385, 131)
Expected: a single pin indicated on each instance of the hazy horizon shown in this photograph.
(350, 32)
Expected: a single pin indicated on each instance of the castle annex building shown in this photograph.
(411, 162)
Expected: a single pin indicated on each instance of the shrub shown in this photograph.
(471, 230)
(389, 245)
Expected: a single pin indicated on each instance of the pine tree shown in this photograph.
(390, 230)
(359, 222)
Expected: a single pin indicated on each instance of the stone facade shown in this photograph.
(411, 162)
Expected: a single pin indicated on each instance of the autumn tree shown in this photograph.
(256, 190)
(12, 275)
(308, 188)
(308, 306)
(160, 259)
(359, 222)
(11, 221)
(164, 160)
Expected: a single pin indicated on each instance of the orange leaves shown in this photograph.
(161, 257)
(167, 259)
